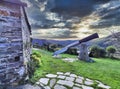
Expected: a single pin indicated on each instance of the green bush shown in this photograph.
(72, 51)
(34, 63)
(97, 51)
(111, 50)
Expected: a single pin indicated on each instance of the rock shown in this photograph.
(67, 73)
(73, 75)
(59, 87)
(78, 85)
(37, 83)
(103, 86)
(83, 55)
(81, 77)
(66, 83)
(88, 82)
(47, 87)
(61, 77)
(76, 88)
(60, 73)
(70, 79)
(86, 87)
(51, 75)
(44, 81)
(78, 80)
(42, 85)
(52, 82)
(69, 59)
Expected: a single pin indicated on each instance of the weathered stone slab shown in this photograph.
(78, 85)
(66, 83)
(52, 82)
(67, 73)
(88, 82)
(70, 59)
(44, 81)
(81, 77)
(47, 87)
(76, 88)
(60, 73)
(61, 77)
(51, 75)
(86, 87)
(103, 86)
(78, 80)
(73, 75)
(57, 86)
(37, 83)
(70, 79)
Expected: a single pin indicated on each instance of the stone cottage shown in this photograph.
(15, 41)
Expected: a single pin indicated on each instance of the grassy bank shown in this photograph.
(104, 69)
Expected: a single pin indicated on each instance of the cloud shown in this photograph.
(52, 33)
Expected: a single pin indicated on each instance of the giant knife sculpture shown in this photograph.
(93, 36)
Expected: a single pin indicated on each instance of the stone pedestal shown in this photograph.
(83, 53)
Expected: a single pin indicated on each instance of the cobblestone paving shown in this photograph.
(68, 80)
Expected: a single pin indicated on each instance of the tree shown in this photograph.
(111, 50)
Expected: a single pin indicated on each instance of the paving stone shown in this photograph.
(51, 75)
(81, 77)
(73, 75)
(37, 83)
(76, 87)
(41, 85)
(44, 81)
(67, 73)
(97, 81)
(88, 82)
(52, 82)
(61, 77)
(78, 80)
(79, 85)
(103, 86)
(60, 73)
(57, 86)
(86, 87)
(70, 79)
(47, 87)
(66, 83)
(69, 59)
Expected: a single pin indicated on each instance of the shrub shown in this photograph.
(34, 63)
(111, 50)
(97, 51)
(72, 51)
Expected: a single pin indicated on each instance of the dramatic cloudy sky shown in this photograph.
(67, 20)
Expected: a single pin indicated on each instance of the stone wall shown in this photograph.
(12, 47)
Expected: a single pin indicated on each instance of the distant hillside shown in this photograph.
(102, 42)
(44, 41)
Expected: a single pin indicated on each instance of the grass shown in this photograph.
(104, 69)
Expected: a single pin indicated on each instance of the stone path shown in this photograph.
(68, 80)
